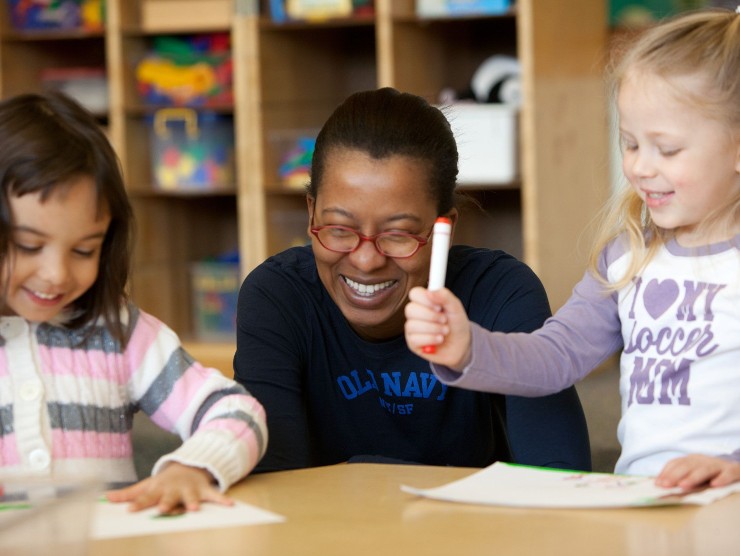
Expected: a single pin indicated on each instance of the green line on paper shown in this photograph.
(15, 506)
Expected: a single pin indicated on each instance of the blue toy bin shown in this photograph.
(215, 290)
(192, 150)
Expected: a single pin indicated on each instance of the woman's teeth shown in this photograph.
(367, 289)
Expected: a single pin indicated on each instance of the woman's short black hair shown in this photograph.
(385, 122)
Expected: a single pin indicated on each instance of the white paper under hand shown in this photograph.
(504, 484)
(114, 520)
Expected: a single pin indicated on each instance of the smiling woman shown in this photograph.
(388, 197)
(320, 327)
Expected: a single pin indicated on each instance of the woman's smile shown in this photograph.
(366, 290)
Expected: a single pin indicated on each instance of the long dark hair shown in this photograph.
(46, 141)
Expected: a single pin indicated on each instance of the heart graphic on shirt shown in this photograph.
(659, 296)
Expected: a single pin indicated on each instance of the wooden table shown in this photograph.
(358, 509)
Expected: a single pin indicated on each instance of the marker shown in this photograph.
(438, 264)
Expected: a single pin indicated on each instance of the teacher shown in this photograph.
(320, 328)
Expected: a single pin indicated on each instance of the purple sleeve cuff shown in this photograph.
(734, 456)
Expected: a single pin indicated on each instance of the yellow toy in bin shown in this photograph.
(193, 150)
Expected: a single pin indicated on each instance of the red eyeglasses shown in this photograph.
(397, 245)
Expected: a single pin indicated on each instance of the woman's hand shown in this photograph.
(437, 318)
(173, 489)
(696, 470)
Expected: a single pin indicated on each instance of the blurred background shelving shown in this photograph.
(288, 77)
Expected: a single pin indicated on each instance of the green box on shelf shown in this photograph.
(644, 12)
(215, 289)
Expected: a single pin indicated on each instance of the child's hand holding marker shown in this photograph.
(437, 326)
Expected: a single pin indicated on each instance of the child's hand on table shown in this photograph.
(696, 470)
(174, 488)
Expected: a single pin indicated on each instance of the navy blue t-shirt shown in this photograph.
(331, 396)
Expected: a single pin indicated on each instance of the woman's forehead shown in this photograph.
(357, 188)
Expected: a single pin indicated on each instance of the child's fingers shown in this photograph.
(190, 499)
(417, 342)
(729, 474)
(673, 472)
(145, 500)
(218, 497)
(425, 322)
(418, 294)
(125, 494)
(424, 314)
(190, 496)
(174, 501)
(140, 496)
(427, 298)
(424, 326)
(697, 470)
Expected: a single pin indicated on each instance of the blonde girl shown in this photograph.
(663, 286)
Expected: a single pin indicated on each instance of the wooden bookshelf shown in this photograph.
(290, 77)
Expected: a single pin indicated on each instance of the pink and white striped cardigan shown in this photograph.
(67, 400)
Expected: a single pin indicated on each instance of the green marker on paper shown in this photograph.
(9, 506)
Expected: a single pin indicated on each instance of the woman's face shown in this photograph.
(373, 196)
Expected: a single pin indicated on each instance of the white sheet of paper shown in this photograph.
(114, 520)
(504, 484)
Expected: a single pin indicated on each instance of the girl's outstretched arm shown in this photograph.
(437, 318)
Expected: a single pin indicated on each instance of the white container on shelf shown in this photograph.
(487, 142)
(87, 85)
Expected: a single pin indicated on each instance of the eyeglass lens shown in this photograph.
(389, 244)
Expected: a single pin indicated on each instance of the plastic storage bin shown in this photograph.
(189, 70)
(40, 15)
(87, 85)
(215, 289)
(293, 153)
(487, 142)
(192, 150)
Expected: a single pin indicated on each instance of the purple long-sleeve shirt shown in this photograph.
(678, 326)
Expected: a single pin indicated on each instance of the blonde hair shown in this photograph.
(704, 43)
